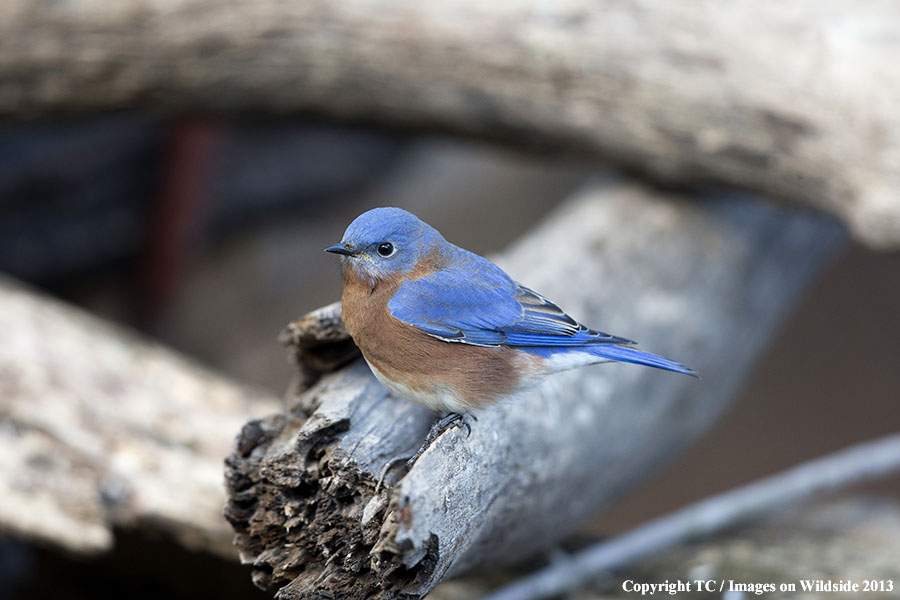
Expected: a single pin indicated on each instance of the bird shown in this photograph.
(449, 329)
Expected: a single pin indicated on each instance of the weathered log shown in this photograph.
(799, 103)
(101, 430)
(704, 282)
(861, 463)
(856, 539)
(852, 539)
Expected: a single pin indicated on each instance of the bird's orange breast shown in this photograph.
(441, 375)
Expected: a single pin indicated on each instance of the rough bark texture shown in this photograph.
(796, 101)
(320, 343)
(704, 282)
(99, 429)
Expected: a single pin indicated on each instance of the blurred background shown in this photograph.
(207, 235)
(177, 169)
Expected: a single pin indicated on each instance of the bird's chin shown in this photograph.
(354, 267)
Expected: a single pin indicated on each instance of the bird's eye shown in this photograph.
(386, 249)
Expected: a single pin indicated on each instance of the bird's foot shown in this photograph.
(443, 424)
(387, 469)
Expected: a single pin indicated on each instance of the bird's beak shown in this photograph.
(340, 249)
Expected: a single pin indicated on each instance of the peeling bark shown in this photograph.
(703, 282)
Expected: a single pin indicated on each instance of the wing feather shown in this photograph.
(477, 303)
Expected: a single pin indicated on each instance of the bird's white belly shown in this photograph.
(563, 361)
(436, 397)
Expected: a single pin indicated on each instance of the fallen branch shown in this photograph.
(102, 430)
(797, 103)
(857, 464)
(704, 282)
(850, 537)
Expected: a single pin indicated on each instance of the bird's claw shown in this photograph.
(387, 469)
(450, 421)
(443, 424)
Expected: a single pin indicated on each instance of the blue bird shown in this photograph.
(449, 329)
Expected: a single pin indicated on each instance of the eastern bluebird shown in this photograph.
(449, 329)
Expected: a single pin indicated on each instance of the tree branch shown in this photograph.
(101, 430)
(795, 103)
(851, 466)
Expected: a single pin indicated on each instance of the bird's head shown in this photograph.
(386, 242)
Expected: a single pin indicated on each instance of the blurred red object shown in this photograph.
(179, 214)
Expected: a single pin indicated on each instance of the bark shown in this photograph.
(798, 102)
(703, 282)
(101, 430)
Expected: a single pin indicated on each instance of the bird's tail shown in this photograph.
(631, 355)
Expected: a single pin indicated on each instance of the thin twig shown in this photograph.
(859, 463)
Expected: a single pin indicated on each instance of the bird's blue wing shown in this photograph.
(546, 324)
(467, 304)
(475, 302)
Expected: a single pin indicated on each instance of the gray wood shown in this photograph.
(797, 101)
(705, 282)
(100, 429)
(856, 538)
(858, 464)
